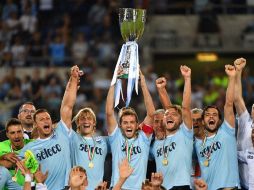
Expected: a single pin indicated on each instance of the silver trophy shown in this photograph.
(132, 22)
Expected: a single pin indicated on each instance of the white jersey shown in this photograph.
(247, 157)
(243, 143)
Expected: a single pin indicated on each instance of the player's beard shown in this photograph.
(173, 129)
(212, 130)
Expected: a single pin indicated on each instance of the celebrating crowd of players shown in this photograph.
(192, 148)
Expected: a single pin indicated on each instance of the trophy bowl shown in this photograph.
(132, 22)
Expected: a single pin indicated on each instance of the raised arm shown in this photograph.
(238, 98)
(70, 95)
(228, 107)
(148, 101)
(163, 95)
(186, 103)
(110, 114)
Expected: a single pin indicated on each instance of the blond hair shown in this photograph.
(86, 110)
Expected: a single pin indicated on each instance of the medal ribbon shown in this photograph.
(165, 155)
(203, 144)
(128, 150)
(90, 153)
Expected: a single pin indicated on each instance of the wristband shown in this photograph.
(28, 178)
(147, 129)
(41, 186)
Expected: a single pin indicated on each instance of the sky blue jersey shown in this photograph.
(138, 160)
(222, 170)
(6, 181)
(79, 155)
(176, 150)
(53, 153)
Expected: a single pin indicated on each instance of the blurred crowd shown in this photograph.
(53, 33)
(197, 6)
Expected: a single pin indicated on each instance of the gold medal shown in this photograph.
(165, 162)
(14, 178)
(90, 165)
(206, 163)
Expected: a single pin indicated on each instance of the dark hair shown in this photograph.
(214, 107)
(29, 103)
(12, 121)
(39, 111)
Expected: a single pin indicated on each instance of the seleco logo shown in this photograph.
(48, 152)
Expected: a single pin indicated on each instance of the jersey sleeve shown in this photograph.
(147, 140)
(11, 185)
(4, 146)
(243, 125)
(22, 152)
(241, 155)
(113, 136)
(63, 129)
(186, 131)
(225, 126)
(243, 119)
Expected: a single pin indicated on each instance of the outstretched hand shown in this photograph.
(12, 157)
(75, 72)
(240, 63)
(102, 186)
(125, 169)
(185, 71)
(230, 70)
(21, 166)
(200, 184)
(77, 178)
(156, 179)
(39, 176)
(161, 82)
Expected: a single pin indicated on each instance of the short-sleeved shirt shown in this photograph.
(223, 166)
(6, 181)
(79, 156)
(138, 160)
(177, 149)
(5, 147)
(244, 142)
(247, 157)
(53, 154)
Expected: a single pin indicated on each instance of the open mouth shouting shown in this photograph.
(86, 126)
(211, 123)
(46, 128)
(17, 140)
(129, 132)
(170, 122)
